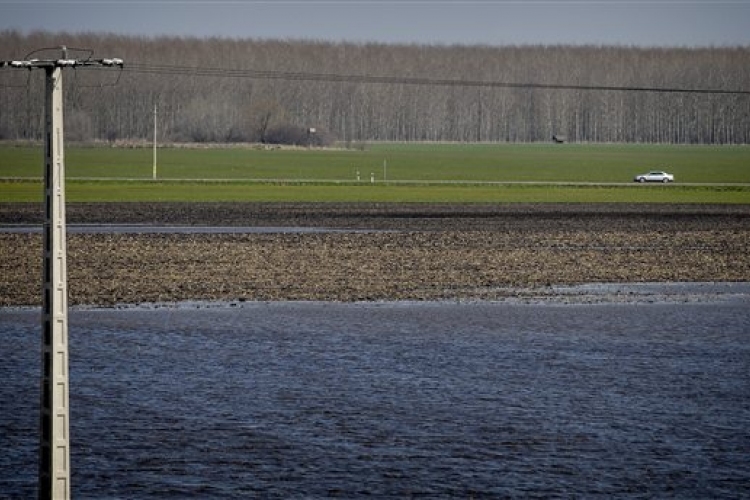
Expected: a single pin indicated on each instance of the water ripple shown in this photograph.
(392, 401)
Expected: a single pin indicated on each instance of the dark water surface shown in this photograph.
(394, 400)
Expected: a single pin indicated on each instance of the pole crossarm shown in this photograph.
(61, 63)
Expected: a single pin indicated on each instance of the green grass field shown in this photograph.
(104, 191)
(332, 175)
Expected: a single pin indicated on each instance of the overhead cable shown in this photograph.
(164, 69)
(197, 71)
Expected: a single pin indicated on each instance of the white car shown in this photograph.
(654, 176)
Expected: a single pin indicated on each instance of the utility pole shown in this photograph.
(54, 460)
(54, 416)
(154, 169)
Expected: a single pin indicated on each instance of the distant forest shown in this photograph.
(256, 90)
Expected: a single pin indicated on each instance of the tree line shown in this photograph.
(418, 101)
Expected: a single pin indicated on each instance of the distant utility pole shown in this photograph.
(154, 169)
(54, 422)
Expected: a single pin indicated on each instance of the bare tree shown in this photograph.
(203, 108)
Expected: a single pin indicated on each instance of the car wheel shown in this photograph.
(665, 180)
(641, 179)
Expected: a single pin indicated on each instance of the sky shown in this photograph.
(670, 23)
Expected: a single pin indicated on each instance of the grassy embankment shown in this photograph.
(402, 172)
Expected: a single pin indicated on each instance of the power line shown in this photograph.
(198, 71)
(174, 70)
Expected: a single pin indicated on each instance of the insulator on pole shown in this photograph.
(111, 62)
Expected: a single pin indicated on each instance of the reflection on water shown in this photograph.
(397, 400)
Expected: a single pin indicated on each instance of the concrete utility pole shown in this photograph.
(54, 421)
(153, 176)
(54, 451)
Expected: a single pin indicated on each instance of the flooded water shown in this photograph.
(392, 400)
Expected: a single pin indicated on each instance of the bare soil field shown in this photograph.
(401, 251)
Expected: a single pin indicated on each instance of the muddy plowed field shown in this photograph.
(401, 252)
